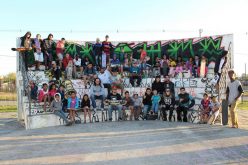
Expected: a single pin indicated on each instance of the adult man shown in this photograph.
(185, 101)
(107, 48)
(114, 99)
(105, 77)
(233, 92)
(89, 73)
(169, 85)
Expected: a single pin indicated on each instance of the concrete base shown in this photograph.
(40, 121)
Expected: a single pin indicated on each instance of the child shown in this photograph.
(33, 90)
(61, 91)
(128, 104)
(69, 70)
(65, 102)
(136, 106)
(172, 65)
(164, 63)
(85, 104)
(72, 106)
(43, 95)
(179, 69)
(215, 110)
(155, 102)
(56, 108)
(52, 92)
(205, 102)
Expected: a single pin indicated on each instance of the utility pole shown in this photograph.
(245, 71)
(200, 32)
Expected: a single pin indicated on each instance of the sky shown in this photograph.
(135, 21)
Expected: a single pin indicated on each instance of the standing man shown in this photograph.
(233, 92)
(107, 48)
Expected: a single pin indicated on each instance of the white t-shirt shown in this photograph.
(233, 91)
(105, 77)
(77, 62)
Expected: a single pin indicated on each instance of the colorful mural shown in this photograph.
(211, 47)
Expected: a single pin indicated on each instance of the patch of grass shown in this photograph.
(243, 105)
(6, 96)
(12, 108)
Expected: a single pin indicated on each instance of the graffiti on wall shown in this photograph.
(211, 47)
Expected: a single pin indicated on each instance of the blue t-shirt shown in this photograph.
(155, 99)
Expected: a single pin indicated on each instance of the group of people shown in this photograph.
(107, 70)
(62, 65)
(160, 97)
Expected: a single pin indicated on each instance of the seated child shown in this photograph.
(155, 102)
(215, 110)
(72, 106)
(43, 95)
(205, 102)
(56, 108)
(85, 104)
(136, 106)
(128, 104)
(52, 92)
(33, 90)
(172, 65)
(179, 69)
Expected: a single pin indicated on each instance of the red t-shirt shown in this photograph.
(142, 55)
(106, 47)
(60, 47)
(66, 61)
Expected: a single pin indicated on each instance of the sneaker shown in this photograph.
(110, 119)
(120, 119)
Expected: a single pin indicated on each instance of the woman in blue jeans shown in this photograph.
(97, 92)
